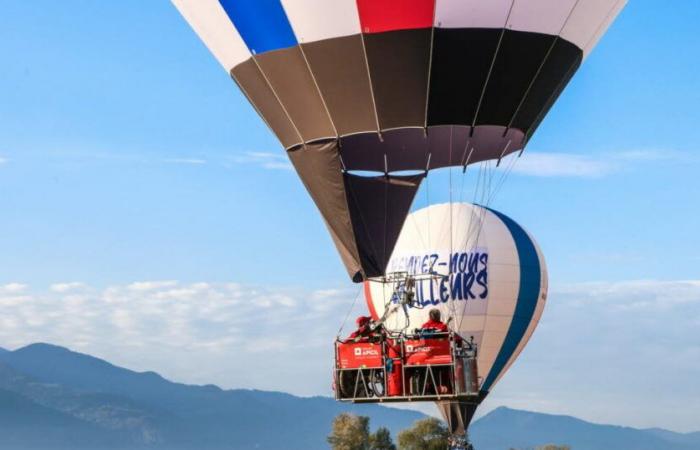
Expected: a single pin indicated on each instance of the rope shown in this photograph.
(452, 306)
(347, 315)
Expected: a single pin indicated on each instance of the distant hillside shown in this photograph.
(144, 409)
(54, 399)
(505, 428)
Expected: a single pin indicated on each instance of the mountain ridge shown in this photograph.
(78, 398)
(488, 433)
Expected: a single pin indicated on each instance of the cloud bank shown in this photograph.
(225, 333)
(624, 353)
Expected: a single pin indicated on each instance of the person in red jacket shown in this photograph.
(435, 323)
(364, 329)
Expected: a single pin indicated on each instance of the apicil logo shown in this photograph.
(366, 352)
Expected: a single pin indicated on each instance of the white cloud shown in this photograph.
(266, 160)
(651, 155)
(13, 288)
(3, 160)
(553, 164)
(562, 165)
(190, 161)
(67, 287)
(151, 285)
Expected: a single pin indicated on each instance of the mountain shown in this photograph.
(692, 439)
(29, 426)
(52, 398)
(528, 429)
(144, 409)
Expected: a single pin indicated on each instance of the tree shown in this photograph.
(425, 434)
(350, 432)
(554, 447)
(381, 440)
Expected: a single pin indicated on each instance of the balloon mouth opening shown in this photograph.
(376, 173)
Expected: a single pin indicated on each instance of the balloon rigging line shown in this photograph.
(480, 176)
(486, 189)
(493, 63)
(386, 209)
(255, 107)
(453, 310)
(504, 176)
(539, 69)
(427, 200)
(492, 195)
(347, 315)
(320, 94)
(274, 92)
(430, 72)
(371, 87)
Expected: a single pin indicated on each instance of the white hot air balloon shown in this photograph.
(485, 274)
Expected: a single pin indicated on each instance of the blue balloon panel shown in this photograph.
(262, 24)
(528, 293)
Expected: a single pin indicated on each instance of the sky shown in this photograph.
(148, 216)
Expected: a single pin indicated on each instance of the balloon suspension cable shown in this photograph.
(347, 315)
(469, 157)
(475, 222)
(451, 305)
(505, 149)
(522, 150)
(427, 196)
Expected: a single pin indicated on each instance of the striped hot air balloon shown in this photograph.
(491, 284)
(386, 86)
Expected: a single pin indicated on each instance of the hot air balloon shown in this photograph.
(379, 87)
(487, 276)
(370, 97)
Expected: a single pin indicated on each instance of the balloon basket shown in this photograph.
(429, 367)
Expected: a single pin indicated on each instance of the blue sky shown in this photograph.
(128, 156)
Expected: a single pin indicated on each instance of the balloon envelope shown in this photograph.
(493, 285)
(395, 85)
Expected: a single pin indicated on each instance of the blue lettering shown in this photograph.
(453, 262)
(456, 287)
(444, 291)
(468, 282)
(462, 262)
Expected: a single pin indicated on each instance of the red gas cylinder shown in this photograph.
(394, 378)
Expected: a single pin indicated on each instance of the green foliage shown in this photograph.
(381, 440)
(426, 434)
(350, 432)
